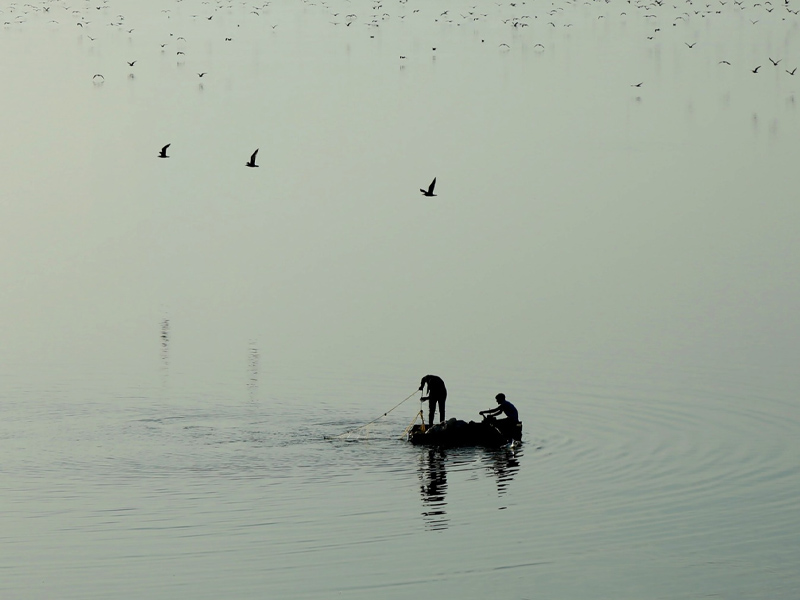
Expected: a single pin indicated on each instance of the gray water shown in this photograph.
(185, 339)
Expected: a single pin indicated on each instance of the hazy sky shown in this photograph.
(576, 214)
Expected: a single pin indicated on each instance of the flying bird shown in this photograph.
(163, 153)
(201, 74)
(756, 69)
(430, 189)
(131, 63)
(252, 161)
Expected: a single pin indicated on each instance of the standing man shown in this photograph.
(437, 393)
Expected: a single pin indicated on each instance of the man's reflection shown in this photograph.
(433, 475)
(504, 464)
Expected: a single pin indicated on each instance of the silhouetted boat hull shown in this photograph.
(454, 433)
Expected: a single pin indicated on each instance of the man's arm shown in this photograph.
(422, 385)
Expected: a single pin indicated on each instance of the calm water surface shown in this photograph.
(184, 340)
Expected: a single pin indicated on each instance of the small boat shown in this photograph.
(454, 433)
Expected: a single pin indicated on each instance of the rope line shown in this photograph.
(346, 433)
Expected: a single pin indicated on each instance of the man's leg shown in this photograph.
(441, 410)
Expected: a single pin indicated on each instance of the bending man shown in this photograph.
(505, 407)
(437, 393)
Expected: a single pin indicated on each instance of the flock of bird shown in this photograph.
(249, 163)
(516, 15)
(252, 163)
(501, 19)
(373, 14)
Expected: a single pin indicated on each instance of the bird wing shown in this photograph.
(432, 185)
(164, 149)
(253, 157)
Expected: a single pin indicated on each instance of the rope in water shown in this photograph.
(346, 433)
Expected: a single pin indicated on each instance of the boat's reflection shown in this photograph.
(502, 463)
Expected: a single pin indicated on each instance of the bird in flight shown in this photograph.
(201, 74)
(637, 84)
(430, 189)
(131, 63)
(252, 161)
(756, 69)
(163, 153)
(775, 62)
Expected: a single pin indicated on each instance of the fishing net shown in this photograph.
(364, 432)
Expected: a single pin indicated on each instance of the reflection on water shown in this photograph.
(433, 474)
(502, 464)
(252, 369)
(164, 343)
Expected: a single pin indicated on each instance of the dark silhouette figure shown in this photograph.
(252, 161)
(503, 406)
(756, 69)
(429, 192)
(504, 465)
(437, 393)
(163, 153)
(131, 63)
(433, 488)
